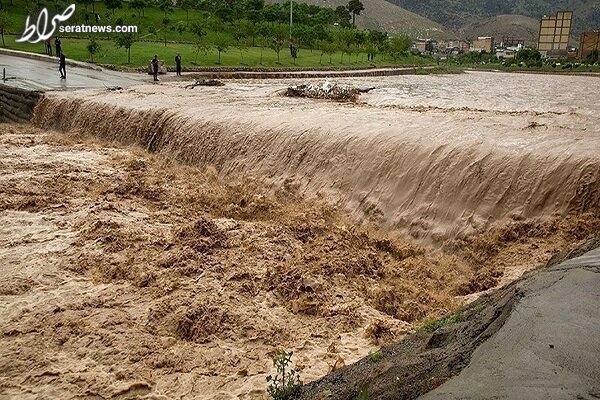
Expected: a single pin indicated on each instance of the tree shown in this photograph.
(358, 42)
(126, 41)
(253, 10)
(139, 6)
(399, 46)
(4, 23)
(166, 6)
(327, 46)
(355, 7)
(165, 24)
(221, 43)
(241, 31)
(112, 5)
(344, 39)
(279, 36)
(200, 45)
(187, 5)
(263, 31)
(530, 57)
(85, 3)
(180, 27)
(377, 41)
(342, 16)
(93, 47)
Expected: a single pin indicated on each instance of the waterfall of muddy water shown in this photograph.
(126, 275)
(438, 156)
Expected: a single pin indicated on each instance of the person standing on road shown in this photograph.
(178, 64)
(62, 68)
(48, 47)
(58, 45)
(155, 67)
(97, 16)
(87, 18)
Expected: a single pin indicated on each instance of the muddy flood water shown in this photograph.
(161, 242)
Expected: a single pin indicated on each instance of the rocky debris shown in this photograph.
(326, 90)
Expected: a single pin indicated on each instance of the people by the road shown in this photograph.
(58, 45)
(178, 64)
(87, 18)
(62, 68)
(293, 51)
(155, 67)
(97, 16)
(48, 47)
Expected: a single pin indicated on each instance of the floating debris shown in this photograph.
(327, 90)
(205, 82)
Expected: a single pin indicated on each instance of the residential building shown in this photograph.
(554, 35)
(483, 43)
(588, 42)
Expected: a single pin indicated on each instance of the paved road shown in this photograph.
(549, 348)
(43, 75)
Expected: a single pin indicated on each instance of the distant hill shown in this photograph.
(385, 16)
(455, 14)
(510, 26)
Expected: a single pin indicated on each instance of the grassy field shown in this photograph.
(142, 52)
(151, 41)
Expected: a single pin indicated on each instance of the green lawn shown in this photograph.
(151, 41)
(142, 52)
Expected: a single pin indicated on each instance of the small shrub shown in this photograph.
(376, 356)
(479, 308)
(430, 325)
(286, 383)
(364, 394)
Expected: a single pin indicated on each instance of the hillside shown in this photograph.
(510, 26)
(454, 14)
(382, 15)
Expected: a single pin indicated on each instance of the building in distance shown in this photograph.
(555, 31)
(483, 43)
(588, 42)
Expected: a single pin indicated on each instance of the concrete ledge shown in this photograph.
(16, 105)
(43, 57)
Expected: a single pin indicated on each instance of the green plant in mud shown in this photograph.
(364, 394)
(430, 325)
(375, 356)
(479, 308)
(286, 382)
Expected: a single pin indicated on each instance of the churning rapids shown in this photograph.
(437, 156)
(163, 243)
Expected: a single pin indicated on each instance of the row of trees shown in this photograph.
(276, 38)
(234, 10)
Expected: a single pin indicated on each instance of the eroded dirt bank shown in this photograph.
(419, 159)
(127, 275)
(487, 350)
